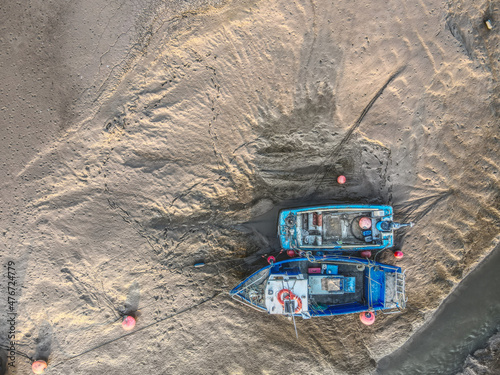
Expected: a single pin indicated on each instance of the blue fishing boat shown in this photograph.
(337, 228)
(324, 286)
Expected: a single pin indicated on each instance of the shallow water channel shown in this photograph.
(461, 325)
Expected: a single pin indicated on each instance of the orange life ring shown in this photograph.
(280, 295)
(289, 295)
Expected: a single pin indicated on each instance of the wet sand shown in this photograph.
(141, 138)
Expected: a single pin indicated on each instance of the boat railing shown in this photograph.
(245, 302)
(342, 211)
(401, 298)
(264, 274)
(400, 289)
(336, 246)
(370, 301)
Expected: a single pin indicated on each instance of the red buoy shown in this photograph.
(366, 254)
(367, 318)
(290, 253)
(271, 259)
(39, 366)
(341, 179)
(365, 223)
(128, 323)
(398, 254)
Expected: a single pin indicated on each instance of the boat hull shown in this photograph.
(341, 228)
(323, 286)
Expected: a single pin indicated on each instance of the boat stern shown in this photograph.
(395, 297)
(385, 288)
(287, 295)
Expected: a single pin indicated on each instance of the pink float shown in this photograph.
(365, 223)
(341, 179)
(367, 318)
(366, 254)
(39, 366)
(398, 254)
(128, 323)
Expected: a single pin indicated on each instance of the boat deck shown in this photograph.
(321, 301)
(326, 228)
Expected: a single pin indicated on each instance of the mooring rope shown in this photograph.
(138, 330)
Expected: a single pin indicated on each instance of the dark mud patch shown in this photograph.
(294, 158)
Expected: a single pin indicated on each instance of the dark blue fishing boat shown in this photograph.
(337, 228)
(324, 286)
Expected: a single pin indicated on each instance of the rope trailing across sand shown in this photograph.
(138, 330)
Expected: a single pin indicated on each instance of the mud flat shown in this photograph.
(139, 138)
